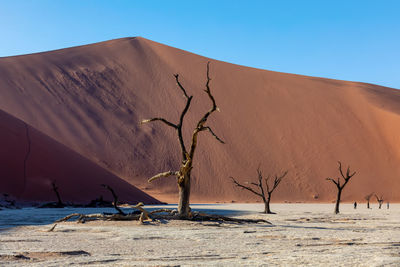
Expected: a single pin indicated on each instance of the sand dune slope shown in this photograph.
(92, 98)
(48, 161)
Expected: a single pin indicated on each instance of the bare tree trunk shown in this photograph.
(184, 197)
(367, 198)
(266, 204)
(267, 208)
(338, 201)
(55, 189)
(59, 203)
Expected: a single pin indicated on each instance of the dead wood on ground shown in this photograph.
(155, 215)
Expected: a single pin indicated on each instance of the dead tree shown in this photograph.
(184, 172)
(55, 189)
(380, 200)
(9, 203)
(115, 202)
(367, 198)
(145, 216)
(340, 185)
(264, 193)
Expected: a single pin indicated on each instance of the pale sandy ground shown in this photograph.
(301, 235)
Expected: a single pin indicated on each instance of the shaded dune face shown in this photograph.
(30, 161)
(92, 98)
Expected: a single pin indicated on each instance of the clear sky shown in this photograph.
(356, 40)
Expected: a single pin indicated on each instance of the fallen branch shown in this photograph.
(52, 228)
(66, 218)
(219, 218)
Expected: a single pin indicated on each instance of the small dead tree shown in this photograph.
(264, 193)
(115, 202)
(184, 172)
(10, 203)
(380, 200)
(367, 198)
(55, 189)
(346, 177)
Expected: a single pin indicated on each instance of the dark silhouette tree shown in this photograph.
(367, 198)
(183, 175)
(264, 193)
(55, 189)
(9, 202)
(340, 185)
(380, 200)
(115, 201)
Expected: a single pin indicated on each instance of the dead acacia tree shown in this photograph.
(115, 202)
(367, 198)
(380, 200)
(55, 189)
(346, 177)
(184, 172)
(264, 193)
(182, 175)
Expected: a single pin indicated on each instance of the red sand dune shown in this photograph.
(91, 99)
(48, 161)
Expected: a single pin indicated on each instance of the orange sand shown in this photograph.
(92, 98)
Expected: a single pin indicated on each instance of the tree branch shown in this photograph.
(348, 175)
(115, 199)
(203, 120)
(368, 197)
(208, 91)
(213, 134)
(277, 181)
(330, 179)
(340, 170)
(185, 110)
(162, 120)
(245, 187)
(260, 177)
(181, 87)
(266, 183)
(163, 174)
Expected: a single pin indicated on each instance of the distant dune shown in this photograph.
(47, 161)
(91, 99)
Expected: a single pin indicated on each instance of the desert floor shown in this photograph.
(300, 235)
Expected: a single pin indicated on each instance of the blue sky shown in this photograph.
(356, 40)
